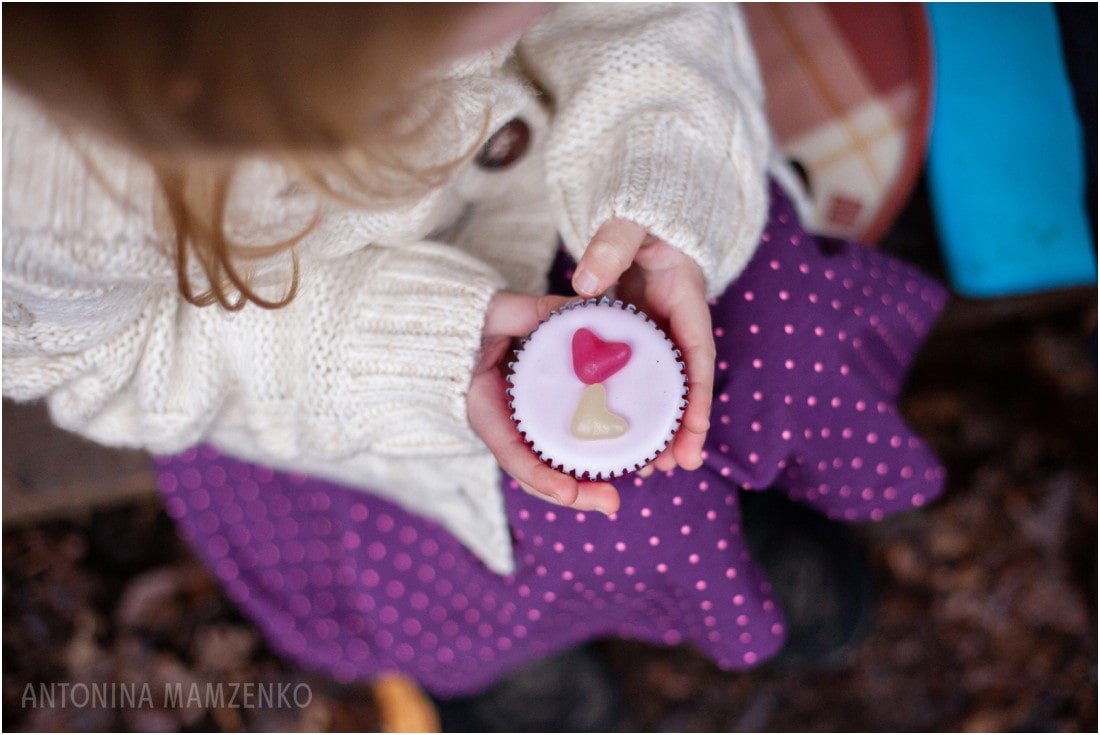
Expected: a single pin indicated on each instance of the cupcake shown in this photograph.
(597, 390)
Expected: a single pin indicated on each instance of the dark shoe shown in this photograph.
(572, 692)
(819, 573)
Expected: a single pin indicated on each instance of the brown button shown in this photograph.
(505, 146)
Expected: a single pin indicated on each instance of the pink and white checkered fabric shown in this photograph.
(849, 98)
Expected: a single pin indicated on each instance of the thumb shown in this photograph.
(608, 256)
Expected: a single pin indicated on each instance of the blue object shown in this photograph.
(1006, 163)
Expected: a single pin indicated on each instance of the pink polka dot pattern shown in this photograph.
(813, 342)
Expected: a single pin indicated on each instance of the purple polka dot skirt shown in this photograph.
(813, 343)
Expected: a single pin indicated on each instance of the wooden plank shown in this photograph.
(51, 473)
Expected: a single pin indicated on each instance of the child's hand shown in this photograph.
(509, 316)
(670, 287)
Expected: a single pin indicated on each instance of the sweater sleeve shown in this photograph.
(340, 371)
(374, 355)
(659, 119)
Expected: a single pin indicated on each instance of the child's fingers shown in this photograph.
(665, 460)
(487, 410)
(607, 257)
(697, 346)
(675, 290)
(490, 417)
(517, 315)
(688, 448)
(597, 496)
(690, 324)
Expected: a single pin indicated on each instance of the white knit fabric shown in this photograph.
(653, 113)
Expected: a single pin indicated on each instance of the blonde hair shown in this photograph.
(340, 92)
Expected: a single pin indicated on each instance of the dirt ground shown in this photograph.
(985, 617)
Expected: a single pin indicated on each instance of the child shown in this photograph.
(286, 248)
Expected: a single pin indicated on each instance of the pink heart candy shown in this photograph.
(595, 360)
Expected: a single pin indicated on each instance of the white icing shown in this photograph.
(648, 392)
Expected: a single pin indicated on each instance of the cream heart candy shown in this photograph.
(592, 420)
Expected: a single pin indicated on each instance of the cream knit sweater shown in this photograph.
(655, 114)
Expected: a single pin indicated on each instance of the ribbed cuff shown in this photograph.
(410, 350)
(686, 191)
